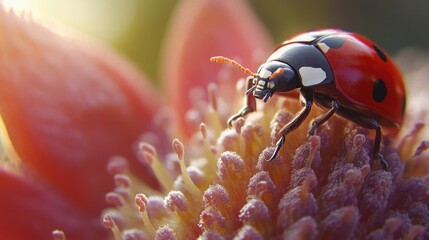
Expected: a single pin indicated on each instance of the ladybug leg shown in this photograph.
(372, 124)
(376, 149)
(306, 101)
(323, 118)
(249, 103)
(377, 142)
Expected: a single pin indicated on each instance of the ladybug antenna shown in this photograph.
(220, 59)
(278, 72)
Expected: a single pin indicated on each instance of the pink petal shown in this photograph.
(68, 106)
(200, 30)
(32, 211)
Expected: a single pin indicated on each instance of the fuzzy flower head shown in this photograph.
(325, 188)
(218, 184)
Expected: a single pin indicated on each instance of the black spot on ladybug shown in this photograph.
(379, 90)
(334, 42)
(380, 53)
(404, 103)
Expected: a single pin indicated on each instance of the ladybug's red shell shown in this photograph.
(365, 78)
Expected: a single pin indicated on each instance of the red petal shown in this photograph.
(68, 106)
(200, 30)
(30, 211)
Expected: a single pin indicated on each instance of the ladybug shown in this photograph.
(340, 71)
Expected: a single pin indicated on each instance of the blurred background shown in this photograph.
(137, 27)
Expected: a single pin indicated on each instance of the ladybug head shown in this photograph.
(272, 77)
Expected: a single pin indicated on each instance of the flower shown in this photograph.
(216, 182)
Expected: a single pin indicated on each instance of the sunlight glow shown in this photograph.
(18, 6)
(103, 19)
